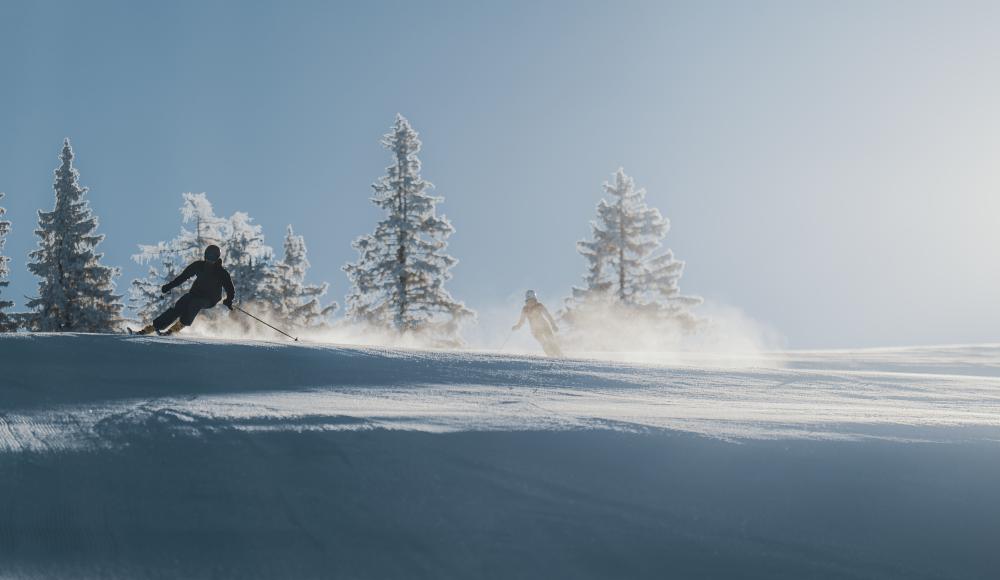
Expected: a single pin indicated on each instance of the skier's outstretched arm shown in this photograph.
(227, 283)
(183, 277)
(520, 322)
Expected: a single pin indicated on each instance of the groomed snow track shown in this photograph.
(154, 458)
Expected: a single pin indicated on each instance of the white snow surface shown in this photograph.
(60, 388)
(143, 457)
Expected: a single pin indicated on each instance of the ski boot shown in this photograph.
(172, 330)
(148, 329)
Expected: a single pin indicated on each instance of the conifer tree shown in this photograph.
(398, 280)
(247, 258)
(286, 292)
(75, 291)
(206, 227)
(625, 273)
(6, 323)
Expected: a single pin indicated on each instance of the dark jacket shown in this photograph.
(211, 279)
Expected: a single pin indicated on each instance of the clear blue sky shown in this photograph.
(829, 168)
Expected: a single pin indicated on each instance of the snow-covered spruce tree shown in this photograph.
(206, 227)
(6, 323)
(200, 228)
(76, 292)
(398, 280)
(247, 258)
(286, 293)
(627, 278)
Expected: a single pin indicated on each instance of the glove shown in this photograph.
(165, 288)
(228, 303)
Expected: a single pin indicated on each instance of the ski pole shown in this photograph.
(265, 324)
(509, 334)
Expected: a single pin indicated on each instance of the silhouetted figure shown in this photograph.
(543, 327)
(211, 279)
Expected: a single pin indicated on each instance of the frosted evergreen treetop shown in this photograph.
(247, 257)
(75, 291)
(623, 263)
(398, 280)
(286, 292)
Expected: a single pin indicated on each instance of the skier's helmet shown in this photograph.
(213, 253)
(530, 295)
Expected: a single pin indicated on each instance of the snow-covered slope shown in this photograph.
(144, 457)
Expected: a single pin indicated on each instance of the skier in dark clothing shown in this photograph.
(543, 327)
(211, 279)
